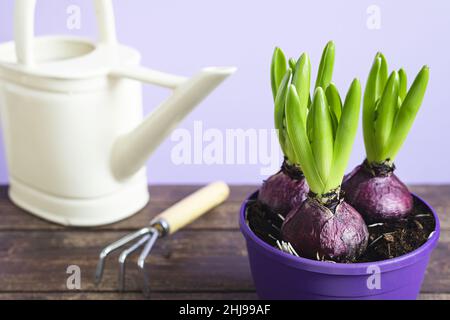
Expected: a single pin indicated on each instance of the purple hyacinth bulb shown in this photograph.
(318, 232)
(377, 195)
(285, 190)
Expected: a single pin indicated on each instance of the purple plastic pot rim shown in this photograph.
(420, 253)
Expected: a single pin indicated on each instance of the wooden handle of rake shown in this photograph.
(193, 206)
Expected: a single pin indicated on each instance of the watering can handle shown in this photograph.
(24, 27)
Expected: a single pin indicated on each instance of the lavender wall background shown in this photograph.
(182, 36)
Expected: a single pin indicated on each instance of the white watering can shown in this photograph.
(71, 110)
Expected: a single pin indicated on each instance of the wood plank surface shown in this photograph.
(157, 296)
(133, 296)
(207, 260)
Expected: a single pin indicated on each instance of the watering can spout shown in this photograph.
(131, 150)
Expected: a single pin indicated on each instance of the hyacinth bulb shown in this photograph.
(284, 191)
(378, 196)
(318, 232)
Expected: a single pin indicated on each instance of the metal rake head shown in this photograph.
(146, 238)
(166, 223)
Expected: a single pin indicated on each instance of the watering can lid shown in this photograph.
(65, 57)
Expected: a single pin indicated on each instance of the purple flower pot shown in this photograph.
(279, 275)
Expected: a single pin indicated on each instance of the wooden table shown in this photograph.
(206, 260)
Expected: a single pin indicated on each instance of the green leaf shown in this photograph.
(334, 100)
(288, 150)
(279, 110)
(403, 81)
(397, 109)
(299, 140)
(369, 104)
(277, 70)
(302, 81)
(292, 63)
(345, 135)
(326, 66)
(408, 112)
(322, 134)
(334, 123)
(309, 122)
(383, 75)
(280, 100)
(335, 104)
(386, 112)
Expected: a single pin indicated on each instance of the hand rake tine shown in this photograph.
(123, 257)
(113, 247)
(141, 261)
